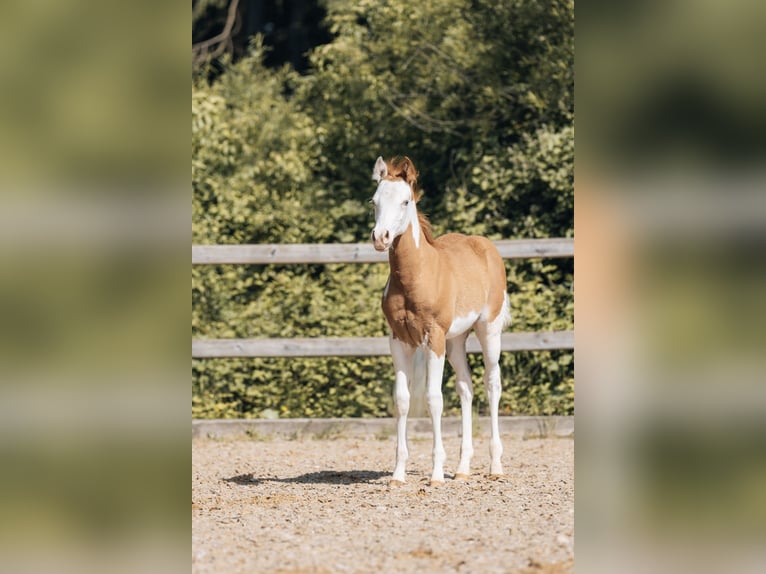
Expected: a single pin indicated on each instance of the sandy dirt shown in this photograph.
(324, 506)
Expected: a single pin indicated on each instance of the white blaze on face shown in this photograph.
(394, 212)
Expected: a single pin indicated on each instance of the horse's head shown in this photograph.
(394, 200)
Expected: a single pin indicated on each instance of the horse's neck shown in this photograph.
(409, 259)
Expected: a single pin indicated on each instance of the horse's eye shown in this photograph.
(406, 203)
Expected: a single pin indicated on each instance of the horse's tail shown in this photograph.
(506, 311)
(418, 407)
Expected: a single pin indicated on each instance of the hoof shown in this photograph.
(395, 483)
(461, 476)
(499, 476)
(437, 482)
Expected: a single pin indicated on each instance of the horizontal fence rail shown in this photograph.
(356, 252)
(360, 346)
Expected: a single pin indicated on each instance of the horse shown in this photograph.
(438, 289)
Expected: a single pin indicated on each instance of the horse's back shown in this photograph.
(473, 253)
(479, 269)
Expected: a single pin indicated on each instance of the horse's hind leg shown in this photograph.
(457, 358)
(489, 334)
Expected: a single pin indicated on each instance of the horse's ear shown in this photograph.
(409, 173)
(380, 170)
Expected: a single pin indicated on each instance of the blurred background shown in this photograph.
(670, 218)
(94, 245)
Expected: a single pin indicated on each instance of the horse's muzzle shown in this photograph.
(381, 241)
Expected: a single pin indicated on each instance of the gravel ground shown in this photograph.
(324, 506)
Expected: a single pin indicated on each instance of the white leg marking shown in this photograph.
(402, 355)
(457, 358)
(435, 407)
(489, 335)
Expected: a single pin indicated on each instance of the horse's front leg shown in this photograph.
(403, 356)
(435, 367)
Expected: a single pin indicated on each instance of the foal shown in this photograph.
(437, 290)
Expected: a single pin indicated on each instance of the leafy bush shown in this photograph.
(479, 95)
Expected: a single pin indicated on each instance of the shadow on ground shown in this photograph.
(321, 477)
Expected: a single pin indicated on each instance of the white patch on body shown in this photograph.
(461, 324)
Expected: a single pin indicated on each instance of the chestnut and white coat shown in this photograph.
(437, 291)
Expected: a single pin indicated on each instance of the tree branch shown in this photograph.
(201, 51)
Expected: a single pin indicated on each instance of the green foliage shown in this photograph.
(523, 190)
(479, 94)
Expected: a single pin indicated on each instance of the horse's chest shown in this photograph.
(409, 321)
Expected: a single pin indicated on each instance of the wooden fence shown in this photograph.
(357, 253)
